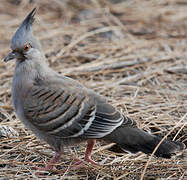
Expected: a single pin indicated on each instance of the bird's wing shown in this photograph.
(65, 113)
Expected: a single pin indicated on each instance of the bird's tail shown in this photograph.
(135, 140)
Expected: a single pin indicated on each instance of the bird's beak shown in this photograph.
(9, 57)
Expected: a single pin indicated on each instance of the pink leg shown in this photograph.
(87, 157)
(53, 161)
(50, 165)
(88, 152)
(57, 155)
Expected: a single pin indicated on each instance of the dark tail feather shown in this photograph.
(135, 140)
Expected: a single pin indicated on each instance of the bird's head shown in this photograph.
(24, 45)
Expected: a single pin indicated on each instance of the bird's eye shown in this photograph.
(27, 47)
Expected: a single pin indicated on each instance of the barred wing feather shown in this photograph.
(67, 114)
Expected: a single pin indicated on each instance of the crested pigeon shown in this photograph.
(62, 112)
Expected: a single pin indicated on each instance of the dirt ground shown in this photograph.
(133, 52)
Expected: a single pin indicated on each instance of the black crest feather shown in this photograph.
(27, 23)
(24, 33)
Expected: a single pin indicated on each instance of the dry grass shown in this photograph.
(134, 52)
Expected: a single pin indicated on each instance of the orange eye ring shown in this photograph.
(27, 47)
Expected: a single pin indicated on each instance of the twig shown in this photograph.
(107, 64)
(84, 36)
(177, 69)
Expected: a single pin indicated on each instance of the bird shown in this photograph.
(63, 112)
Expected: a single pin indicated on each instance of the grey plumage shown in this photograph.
(24, 34)
(61, 111)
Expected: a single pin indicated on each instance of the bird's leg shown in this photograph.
(87, 157)
(53, 161)
(88, 152)
(50, 165)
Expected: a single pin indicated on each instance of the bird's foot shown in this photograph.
(51, 164)
(87, 158)
(80, 163)
(48, 167)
